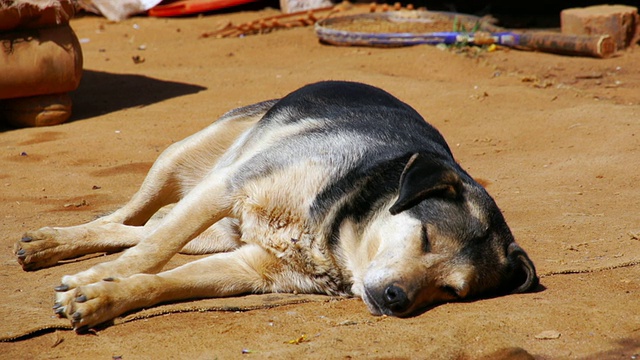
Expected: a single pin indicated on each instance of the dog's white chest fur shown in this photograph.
(274, 214)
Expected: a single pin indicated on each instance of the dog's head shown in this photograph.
(445, 240)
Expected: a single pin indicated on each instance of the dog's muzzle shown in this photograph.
(390, 300)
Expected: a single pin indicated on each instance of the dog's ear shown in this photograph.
(522, 275)
(424, 177)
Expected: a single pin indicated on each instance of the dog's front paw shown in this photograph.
(89, 305)
(66, 291)
(39, 249)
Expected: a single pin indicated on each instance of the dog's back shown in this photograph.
(356, 137)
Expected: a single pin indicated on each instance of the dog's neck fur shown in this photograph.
(359, 244)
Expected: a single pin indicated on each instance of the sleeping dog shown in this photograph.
(338, 188)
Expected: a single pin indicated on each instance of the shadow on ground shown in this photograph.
(101, 93)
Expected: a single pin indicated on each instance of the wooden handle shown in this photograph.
(600, 46)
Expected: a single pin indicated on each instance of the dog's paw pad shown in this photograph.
(89, 305)
(38, 249)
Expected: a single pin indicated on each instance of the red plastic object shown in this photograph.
(187, 7)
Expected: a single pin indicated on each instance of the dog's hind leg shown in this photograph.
(206, 204)
(178, 169)
(112, 237)
(47, 246)
(245, 270)
(165, 183)
(184, 164)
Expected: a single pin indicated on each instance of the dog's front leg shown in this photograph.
(245, 270)
(204, 205)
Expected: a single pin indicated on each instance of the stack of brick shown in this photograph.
(40, 62)
(621, 22)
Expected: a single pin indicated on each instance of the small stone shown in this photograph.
(548, 335)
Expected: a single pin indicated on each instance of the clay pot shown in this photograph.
(39, 61)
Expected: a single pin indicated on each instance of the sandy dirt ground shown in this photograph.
(556, 138)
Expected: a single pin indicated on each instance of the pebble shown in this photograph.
(548, 335)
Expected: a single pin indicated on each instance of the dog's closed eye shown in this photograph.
(457, 284)
(451, 291)
(426, 245)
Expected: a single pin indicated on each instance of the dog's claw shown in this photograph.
(26, 238)
(61, 288)
(21, 253)
(81, 299)
(77, 316)
(58, 309)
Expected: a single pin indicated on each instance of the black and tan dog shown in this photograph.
(338, 188)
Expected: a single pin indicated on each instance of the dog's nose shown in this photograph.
(396, 299)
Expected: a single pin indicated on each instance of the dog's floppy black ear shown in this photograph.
(425, 177)
(522, 277)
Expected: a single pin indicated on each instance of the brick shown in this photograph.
(621, 22)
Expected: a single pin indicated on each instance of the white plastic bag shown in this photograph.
(117, 10)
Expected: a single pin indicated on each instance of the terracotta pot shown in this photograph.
(39, 61)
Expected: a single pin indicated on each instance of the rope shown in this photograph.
(586, 271)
